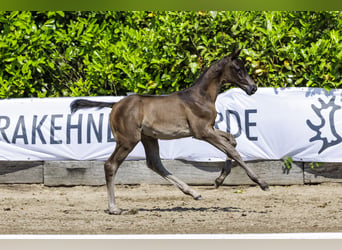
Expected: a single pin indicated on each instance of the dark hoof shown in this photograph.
(217, 184)
(265, 188)
(198, 198)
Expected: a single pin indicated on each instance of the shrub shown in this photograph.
(46, 54)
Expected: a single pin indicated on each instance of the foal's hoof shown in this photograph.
(113, 211)
(265, 187)
(217, 183)
(198, 198)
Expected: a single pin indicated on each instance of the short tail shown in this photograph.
(83, 104)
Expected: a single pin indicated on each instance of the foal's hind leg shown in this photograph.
(111, 166)
(153, 162)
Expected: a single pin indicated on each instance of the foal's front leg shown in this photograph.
(224, 173)
(228, 163)
(222, 141)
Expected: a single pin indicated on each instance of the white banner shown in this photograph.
(302, 123)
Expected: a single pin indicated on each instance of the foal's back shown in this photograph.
(162, 117)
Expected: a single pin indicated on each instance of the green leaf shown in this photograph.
(194, 67)
(61, 13)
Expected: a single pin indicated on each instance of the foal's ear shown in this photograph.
(235, 54)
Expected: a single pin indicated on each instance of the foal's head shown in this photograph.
(232, 70)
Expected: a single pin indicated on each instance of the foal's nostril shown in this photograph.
(252, 89)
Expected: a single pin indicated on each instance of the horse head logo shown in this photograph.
(325, 131)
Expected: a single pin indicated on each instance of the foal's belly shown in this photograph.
(164, 118)
(166, 132)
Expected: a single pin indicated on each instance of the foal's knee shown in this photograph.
(231, 139)
(233, 142)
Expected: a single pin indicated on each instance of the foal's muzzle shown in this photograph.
(251, 89)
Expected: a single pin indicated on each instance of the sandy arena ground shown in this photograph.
(156, 209)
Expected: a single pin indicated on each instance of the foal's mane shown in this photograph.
(216, 67)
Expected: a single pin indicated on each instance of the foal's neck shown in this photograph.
(208, 86)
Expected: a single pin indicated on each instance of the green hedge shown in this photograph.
(110, 53)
